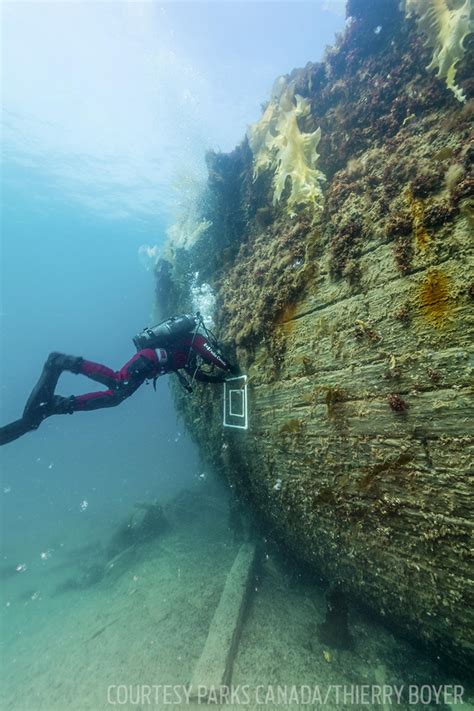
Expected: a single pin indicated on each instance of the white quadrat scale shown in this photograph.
(236, 403)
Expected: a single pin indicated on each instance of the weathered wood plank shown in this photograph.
(415, 371)
(214, 668)
(431, 414)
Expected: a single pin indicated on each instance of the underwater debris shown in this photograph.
(445, 30)
(92, 573)
(102, 629)
(146, 522)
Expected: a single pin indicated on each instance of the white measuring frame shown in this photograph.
(236, 399)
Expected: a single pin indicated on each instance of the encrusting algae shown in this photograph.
(435, 296)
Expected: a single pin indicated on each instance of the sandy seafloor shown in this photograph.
(146, 622)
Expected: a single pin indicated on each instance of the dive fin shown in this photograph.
(16, 429)
(57, 405)
(43, 392)
(44, 388)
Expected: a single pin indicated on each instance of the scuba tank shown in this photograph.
(162, 334)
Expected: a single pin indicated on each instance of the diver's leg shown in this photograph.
(44, 388)
(104, 398)
(43, 403)
(100, 373)
(122, 383)
(143, 364)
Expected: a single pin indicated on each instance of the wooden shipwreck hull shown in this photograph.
(352, 320)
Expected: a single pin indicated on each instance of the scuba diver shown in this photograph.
(181, 345)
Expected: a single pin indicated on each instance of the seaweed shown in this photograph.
(403, 254)
(438, 214)
(397, 403)
(403, 314)
(425, 183)
(345, 249)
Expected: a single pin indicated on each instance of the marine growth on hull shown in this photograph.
(337, 246)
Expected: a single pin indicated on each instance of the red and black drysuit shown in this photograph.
(147, 364)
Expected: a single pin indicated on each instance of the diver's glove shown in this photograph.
(208, 378)
(234, 370)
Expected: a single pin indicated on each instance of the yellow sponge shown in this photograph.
(446, 27)
(278, 143)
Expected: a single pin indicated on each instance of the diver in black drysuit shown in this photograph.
(182, 343)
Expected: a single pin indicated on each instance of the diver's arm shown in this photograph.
(208, 353)
(208, 378)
